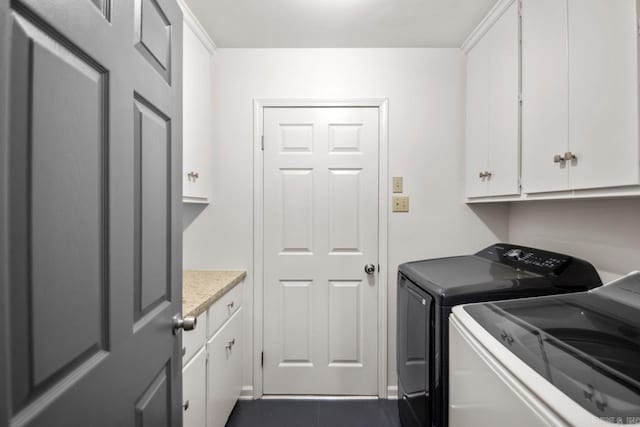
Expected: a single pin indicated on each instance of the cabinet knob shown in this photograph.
(186, 405)
(569, 156)
(193, 176)
(230, 305)
(230, 344)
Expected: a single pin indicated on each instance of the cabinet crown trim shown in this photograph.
(197, 28)
(487, 22)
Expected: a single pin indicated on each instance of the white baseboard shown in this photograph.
(246, 393)
(392, 392)
(315, 397)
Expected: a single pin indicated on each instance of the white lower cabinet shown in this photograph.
(224, 379)
(194, 391)
(212, 360)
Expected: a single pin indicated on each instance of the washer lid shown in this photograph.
(585, 344)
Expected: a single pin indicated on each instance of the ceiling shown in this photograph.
(339, 23)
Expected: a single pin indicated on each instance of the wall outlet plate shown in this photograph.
(401, 204)
(397, 184)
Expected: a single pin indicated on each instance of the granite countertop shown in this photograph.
(202, 288)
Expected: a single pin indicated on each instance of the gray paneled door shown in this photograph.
(90, 212)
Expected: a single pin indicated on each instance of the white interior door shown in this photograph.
(320, 230)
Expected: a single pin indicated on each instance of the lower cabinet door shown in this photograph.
(224, 378)
(194, 391)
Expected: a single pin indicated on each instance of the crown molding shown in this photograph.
(197, 27)
(494, 14)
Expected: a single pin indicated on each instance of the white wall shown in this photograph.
(604, 232)
(426, 118)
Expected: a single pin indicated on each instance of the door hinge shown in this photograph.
(262, 358)
(262, 143)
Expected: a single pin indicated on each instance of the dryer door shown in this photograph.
(415, 311)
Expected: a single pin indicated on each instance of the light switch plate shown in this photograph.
(397, 184)
(401, 204)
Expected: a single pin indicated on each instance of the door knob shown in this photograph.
(188, 323)
(369, 268)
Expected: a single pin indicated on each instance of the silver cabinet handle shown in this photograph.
(188, 323)
(481, 175)
(230, 344)
(186, 405)
(230, 305)
(193, 175)
(369, 268)
(485, 174)
(567, 157)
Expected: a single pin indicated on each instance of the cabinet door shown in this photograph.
(477, 126)
(603, 93)
(504, 88)
(194, 391)
(196, 119)
(545, 107)
(224, 378)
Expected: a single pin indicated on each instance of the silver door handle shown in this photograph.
(188, 323)
(369, 268)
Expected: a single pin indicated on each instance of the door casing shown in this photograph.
(258, 230)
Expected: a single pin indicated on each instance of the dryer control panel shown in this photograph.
(564, 270)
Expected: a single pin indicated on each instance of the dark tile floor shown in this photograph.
(315, 413)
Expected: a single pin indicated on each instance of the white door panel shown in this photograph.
(545, 108)
(603, 93)
(504, 88)
(321, 229)
(477, 124)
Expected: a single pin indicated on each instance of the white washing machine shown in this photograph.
(567, 360)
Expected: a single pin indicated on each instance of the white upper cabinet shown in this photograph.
(580, 95)
(504, 91)
(492, 123)
(545, 94)
(197, 133)
(477, 124)
(603, 93)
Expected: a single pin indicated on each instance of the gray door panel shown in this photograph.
(90, 212)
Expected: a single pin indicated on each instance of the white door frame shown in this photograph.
(258, 228)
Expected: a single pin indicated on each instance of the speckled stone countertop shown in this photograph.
(202, 288)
